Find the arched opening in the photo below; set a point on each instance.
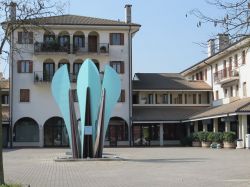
(96, 63)
(49, 37)
(117, 131)
(26, 130)
(64, 41)
(63, 62)
(55, 133)
(78, 41)
(93, 38)
(76, 67)
(48, 70)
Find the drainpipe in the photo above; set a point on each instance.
(130, 34)
(212, 79)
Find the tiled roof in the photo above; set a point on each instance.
(78, 20)
(167, 81)
(241, 105)
(143, 113)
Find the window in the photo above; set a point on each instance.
(179, 99)
(25, 38)
(150, 99)
(185, 96)
(122, 96)
(76, 68)
(193, 77)
(5, 99)
(231, 91)
(194, 99)
(118, 66)
(225, 93)
(208, 97)
(24, 95)
(48, 38)
(48, 71)
(201, 75)
(24, 66)
(197, 76)
(217, 95)
(171, 99)
(243, 57)
(235, 60)
(244, 89)
(79, 41)
(116, 39)
(165, 98)
(199, 98)
(237, 90)
(216, 67)
(63, 41)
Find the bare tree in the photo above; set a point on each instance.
(22, 14)
(235, 19)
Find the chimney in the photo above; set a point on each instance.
(13, 11)
(128, 13)
(223, 41)
(211, 47)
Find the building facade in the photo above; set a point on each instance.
(68, 39)
(226, 71)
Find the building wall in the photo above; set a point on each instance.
(42, 106)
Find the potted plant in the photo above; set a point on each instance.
(203, 136)
(103, 49)
(216, 138)
(195, 140)
(229, 139)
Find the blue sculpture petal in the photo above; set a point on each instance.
(112, 85)
(60, 87)
(88, 77)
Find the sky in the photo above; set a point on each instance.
(167, 40)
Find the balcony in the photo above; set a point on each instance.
(226, 75)
(51, 47)
(42, 77)
(99, 48)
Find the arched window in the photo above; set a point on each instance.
(26, 130)
(117, 131)
(55, 133)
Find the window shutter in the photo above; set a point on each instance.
(30, 37)
(19, 38)
(19, 66)
(122, 67)
(24, 95)
(30, 66)
(122, 38)
(110, 38)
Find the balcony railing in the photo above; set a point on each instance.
(99, 48)
(43, 77)
(226, 74)
(54, 47)
(49, 47)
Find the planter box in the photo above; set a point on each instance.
(196, 144)
(229, 145)
(205, 144)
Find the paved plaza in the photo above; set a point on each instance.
(143, 167)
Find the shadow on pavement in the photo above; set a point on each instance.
(162, 160)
